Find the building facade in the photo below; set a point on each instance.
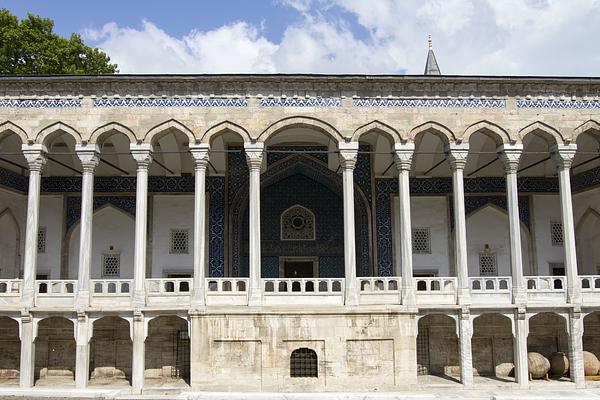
(296, 232)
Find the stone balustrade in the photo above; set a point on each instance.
(314, 291)
(10, 291)
(107, 292)
(440, 290)
(227, 291)
(482, 287)
(168, 291)
(379, 290)
(55, 292)
(546, 289)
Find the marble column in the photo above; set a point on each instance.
(465, 334)
(510, 155)
(142, 153)
(563, 156)
(27, 363)
(348, 156)
(82, 351)
(254, 156)
(521, 331)
(89, 155)
(138, 362)
(35, 154)
(403, 153)
(200, 156)
(576, 347)
(457, 156)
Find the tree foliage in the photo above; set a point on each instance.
(30, 46)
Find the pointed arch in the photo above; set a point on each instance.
(48, 133)
(495, 132)
(549, 133)
(103, 132)
(590, 126)
(378, 127)
(13, 240)
(7, 128)
(443, 132)
(590, 212)
(156, 132)
(498, 209)
(8, 213)
(223, 127)
(300, 122)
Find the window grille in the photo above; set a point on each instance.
(303, 363)
(421, 240)
(111, 265)
(556, 233)
(487, 264)
(297, 223)
(179, 241)
(41, 244)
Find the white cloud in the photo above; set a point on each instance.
(523, 37)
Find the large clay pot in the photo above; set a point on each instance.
(591, 365)
(559, 364)
(538, 365)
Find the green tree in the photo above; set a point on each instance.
(30, 47)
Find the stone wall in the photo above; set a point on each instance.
(11, 348)
(111, 349)
(492, 346)
(55, 348)
(252, 352)
(591, 333)
(441, 356)
(160, 345)
(547, 334)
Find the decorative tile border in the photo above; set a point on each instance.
(301, 102)
(41, 103)
(427, 102)
(559, 104)
(172, 102)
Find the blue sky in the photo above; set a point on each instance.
(503, 37)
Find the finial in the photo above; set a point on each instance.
(430, 43)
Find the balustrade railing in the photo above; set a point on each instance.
(440, 285)
(491, 284)
(10, 287)
(308, 286)
(56, 287)
(379, 284)
(168, 286)
(217, 286)
(590, 283)
(111, 287)
(545, 283)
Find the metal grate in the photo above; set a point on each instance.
(423, 352)
(179, 241)
(111, 265)
(421, 240)
(41, 240)
(487, 264)
(303, 363)
(556, 233)
(182, 356)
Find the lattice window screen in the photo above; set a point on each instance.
(303, 363)
(111, 265)
(41, 244)
(487, 264)
(556, 233)
(421, 240)
(179, 241)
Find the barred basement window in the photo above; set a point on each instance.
(421, 240)
(303, 363)
(487, 264)
(41, 244)
(556, 233)
(111, 265)
(179, 241)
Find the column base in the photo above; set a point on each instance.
(198, 302)
(574, 295)
(255, 298)
(409, 296)
(519, 296)
(464, 297)
(82, 301)
(26, 377)
(351, 296)
(139, 298)
(27, 298)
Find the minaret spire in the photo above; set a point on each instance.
(431, 66)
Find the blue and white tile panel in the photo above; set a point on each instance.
(40, 103)
(559, 104)
(301, 102)
(427, 102)
(171, 102)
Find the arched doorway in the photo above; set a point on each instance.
(10, 246)
(437, 347)
(492, 346)
(55, 352)
(11, 349)
(587, 234)
(167, 351)
(111, 351)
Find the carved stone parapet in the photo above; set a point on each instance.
(457, 155)
(510, 154)
(348, 154)
(563, 155)
(142, 154)
(36, 156)
(89, 155)
(403, 155)
(200, 154)
(254, 155)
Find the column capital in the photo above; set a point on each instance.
(89, 155)
(403, 155)
(348, 154)
(457, 155)
(254, 154)
(510, 154)
(563, 155)
(142, 154)
(35, 154)
(200, 154)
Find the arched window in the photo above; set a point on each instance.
(297, 223)
(303, 363)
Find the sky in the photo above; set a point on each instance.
(470, 37)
